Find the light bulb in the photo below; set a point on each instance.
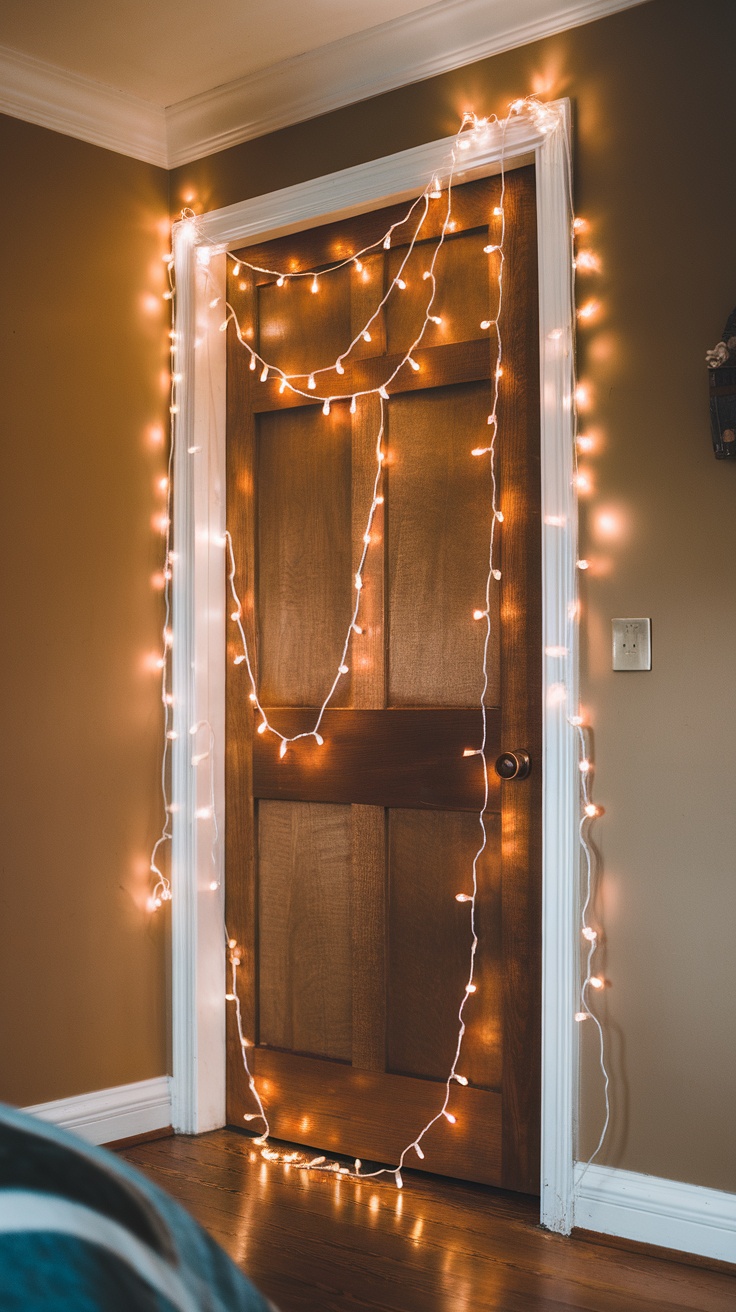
(397, 1175)
(463, 897)
(238, 660)
(343, 669)
(326, 408)
(315, 284)
(589, 310)
(496, 574)
(356, 628)
(358, 582)
(418, 1152)
(480, 451)
(485, 323)
(280, 281)
(590, 934)
(583, 564)
(311, 383)
(579, 225)
(252, 364)
(478, 614)
(252, 696)
(236, 269)
(587, 260)
(413, 364)
(379, 501)
(215, 301)
(499, 372)
(427, 274)
(470, 751)
(400, 283)
(263, 726)
(500, 516)
(596, 982)
(366, 537)
(319, 739)
(382, 392)
(172, 735)
(339, 368)
(435, 190)
(471, 988)
(461, 1079)
(582, 482)
(282, 748)
(584, 766)
(366, 336)
(358, 264)
(585, 443)
(264, 373)
(353, 406)
(581, 1015)
(435, 318)
(488, 250)
(449, 1117)
(576, 720)
(167, 296)
(235, 615)
(282, 385)
(497, 211)
(591, 809)
(387, 242)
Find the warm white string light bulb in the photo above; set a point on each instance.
(547, 121)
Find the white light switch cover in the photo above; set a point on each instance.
(632, 644)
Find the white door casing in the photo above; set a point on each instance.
(199, 608)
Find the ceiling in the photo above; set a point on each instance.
(165, 51)
(169, 81)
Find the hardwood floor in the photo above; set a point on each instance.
(314, 1242)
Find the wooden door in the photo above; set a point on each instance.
(343, 860)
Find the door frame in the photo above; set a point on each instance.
(199, 608)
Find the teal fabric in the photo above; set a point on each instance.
(60, 1272)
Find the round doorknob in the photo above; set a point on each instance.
(513, 765)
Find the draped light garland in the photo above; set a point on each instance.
(308, 384)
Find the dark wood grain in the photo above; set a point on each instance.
(458, 362)
(304, 896)
(240, 871)
(438, 526)
(311, 1241)
(521, 679)
(369, 937)
(404, 757)
(430, 860)
(305, 595)
(373, 1115)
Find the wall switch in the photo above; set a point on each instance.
(632, 644)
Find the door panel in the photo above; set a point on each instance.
(304, 897)
(438, 528)
(343, 860)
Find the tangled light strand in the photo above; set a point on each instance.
(493, 574)
(161, 891)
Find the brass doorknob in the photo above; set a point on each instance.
(513, 765)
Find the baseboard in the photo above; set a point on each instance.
(123, 1112)
(650, 1210)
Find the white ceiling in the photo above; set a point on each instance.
(169, 81)
(165, 51)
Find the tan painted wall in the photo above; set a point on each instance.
(82, 967)
(653, 99)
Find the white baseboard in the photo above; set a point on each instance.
(111, 1114)
(655, 1211)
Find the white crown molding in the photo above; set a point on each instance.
(41, 93)
(650, 1210)
(111, 1114)
(445, 35)
(434, 40)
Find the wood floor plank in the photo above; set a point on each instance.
(314, 1242)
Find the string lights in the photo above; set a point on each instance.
(308, 385)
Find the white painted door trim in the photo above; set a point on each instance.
(199, 611)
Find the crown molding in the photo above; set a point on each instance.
(443, 36)
(51, 97)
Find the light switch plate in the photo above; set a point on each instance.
(632, 644)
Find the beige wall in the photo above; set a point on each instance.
(653, 103)
(83, 967)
